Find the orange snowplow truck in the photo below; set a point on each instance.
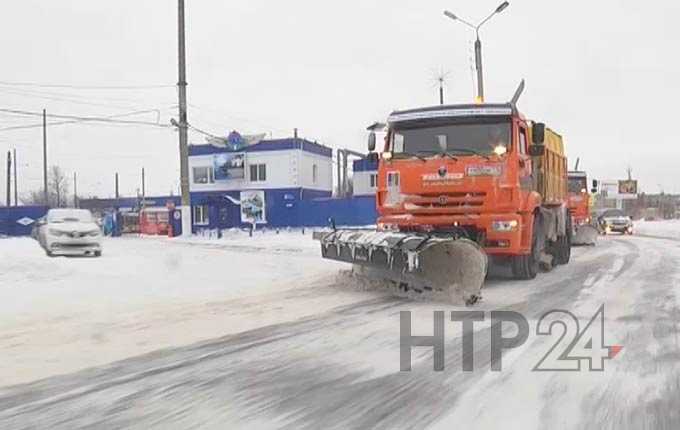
(454, 175)
(580, 205)
(484, 170)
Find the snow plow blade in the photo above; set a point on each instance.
(455, 266)
(585, 234)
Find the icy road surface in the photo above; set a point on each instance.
(261, 333)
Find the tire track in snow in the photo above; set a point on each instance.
(310, 373)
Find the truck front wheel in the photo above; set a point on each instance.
(526, 266)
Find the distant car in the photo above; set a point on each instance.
(69, 232)
(614, 220)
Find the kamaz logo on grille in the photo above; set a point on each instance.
(443, 200)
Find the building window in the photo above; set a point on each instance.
(201, 215)
(204, 175)
(373, 178)
(258, 172)
(315, 173)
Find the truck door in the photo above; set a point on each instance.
(525, 170)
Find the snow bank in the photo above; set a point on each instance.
(665, 228)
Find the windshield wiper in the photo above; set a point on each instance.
(471, 151)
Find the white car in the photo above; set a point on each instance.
(69, 232)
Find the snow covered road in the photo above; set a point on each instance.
(261, 333)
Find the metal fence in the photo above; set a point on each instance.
(19, 220)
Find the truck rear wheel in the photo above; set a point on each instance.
(563, 251)
(526, 266)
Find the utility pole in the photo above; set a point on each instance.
(117, 195)
(46, 195)
(339, 169)
(143, 185)
(16, 192)
(478, 45)
(75, 190)
(480, 74)
(9, 178)
(183, 136)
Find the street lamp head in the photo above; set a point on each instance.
(450, 15)
(502, 6)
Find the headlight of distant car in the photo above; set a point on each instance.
(54, 232)
(93, 233)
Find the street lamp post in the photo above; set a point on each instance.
(478, 44)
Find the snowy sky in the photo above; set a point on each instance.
(603, 74)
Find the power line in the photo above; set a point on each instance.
(91, 100)
(76, 119)
(87, 87)
(60, 99)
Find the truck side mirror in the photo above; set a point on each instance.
(594, 188)
(538, 133)
(537, 150)
(371, 142)
(372, 157)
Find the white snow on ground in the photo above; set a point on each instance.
(521, 398)
(666, 228)
(59, 315)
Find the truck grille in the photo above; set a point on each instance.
(447, 203)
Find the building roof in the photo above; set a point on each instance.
(266, 145)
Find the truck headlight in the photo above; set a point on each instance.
(484, 170)
(93, 233)
(57, 233)
(504, 226)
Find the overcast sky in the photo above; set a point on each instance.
(603, 74)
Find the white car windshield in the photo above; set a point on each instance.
(69, 215)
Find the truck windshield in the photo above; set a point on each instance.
(460, 139)
(577, 185)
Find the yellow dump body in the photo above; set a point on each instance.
(551, 178)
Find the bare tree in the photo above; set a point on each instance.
(58, 185)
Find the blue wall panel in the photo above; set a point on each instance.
(19, 220)
(355, 211)
(292, 207)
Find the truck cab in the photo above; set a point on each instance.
(482, 171)
(579, 199)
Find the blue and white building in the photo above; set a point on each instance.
(265, 182)
(365, 177)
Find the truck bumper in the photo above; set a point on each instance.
(496, 241)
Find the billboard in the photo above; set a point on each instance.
(619, 189)
(229, 166)
(253, 207)
(628, 186)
